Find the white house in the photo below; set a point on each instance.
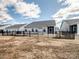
(2, 27)
(71, 25)
(43, 27)
(16, 27)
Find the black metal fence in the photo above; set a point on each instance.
(18, 33)
(59, 35)
(65, 35)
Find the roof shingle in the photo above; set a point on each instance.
(16, 26)
(40, 24)
(71, 21)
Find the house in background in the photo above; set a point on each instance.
(43, 27)
(16, 27)
(71, 25)
(2, 27)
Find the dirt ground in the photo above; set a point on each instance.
(12, 47)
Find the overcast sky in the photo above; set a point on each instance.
(26, 11)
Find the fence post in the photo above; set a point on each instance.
(12, 33)
(29, 33)
(7, 33)
(23, 33)
(38, 34)
(2, 32)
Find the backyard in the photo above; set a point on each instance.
(22, 47)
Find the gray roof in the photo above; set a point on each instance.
(15, 26)
(2, 25)
(71, 21)
(40, 24)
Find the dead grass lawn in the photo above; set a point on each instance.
(38, 48)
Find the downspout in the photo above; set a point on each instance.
(61, 26)
(60, 29)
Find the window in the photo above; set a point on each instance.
(36, 30)
(51, 30)
(44, 30)
(73, 28)
(25, 30)
(32, 30)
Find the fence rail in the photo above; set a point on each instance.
(59, 35)
(65, 35)
(20, 33)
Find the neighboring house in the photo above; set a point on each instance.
(43, 27)
(71, 25)
(2, 27)
(16, 27)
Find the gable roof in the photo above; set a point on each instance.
(15, 26)
(40, 24)
(71, 21)
(4, 26)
